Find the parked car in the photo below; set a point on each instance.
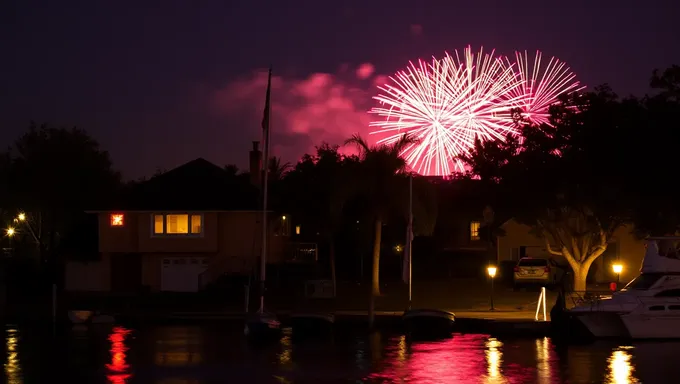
(533, 271)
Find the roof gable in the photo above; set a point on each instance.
(198, 185)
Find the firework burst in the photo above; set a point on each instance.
(541, 85)
(449, 102)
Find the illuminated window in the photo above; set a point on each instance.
(117, 219)
(158, 224)
(195, 223)
(177, 224)
(474, 230)
(297, 229)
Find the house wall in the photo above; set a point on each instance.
(230, 240)
(624, 247)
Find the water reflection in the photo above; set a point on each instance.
(201, 355)
(12, 366)
(286, 354)
(179, 347)
(494, 357)
(621, 369)
(118, 367)
(544, 371)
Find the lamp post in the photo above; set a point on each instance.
(10, 232)
(491, 270)
(618, 268)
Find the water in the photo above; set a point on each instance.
(219, 354)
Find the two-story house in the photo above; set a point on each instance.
(185, 228)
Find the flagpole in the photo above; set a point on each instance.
(410, 239)
(265, 190)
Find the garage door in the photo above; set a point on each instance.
(181, 274)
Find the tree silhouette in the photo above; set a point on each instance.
(381, 181)
(55, 175)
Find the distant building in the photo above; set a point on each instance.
(182, 230)
(624, 248)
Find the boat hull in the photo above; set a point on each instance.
(652, 327)
(428, 323)
(262, 327)
(603, 325)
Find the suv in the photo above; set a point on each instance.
(535, 271)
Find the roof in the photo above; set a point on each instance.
(198, 185)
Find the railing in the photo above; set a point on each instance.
(302, 253)
(541, 305)
(587, 297)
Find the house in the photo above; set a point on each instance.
(183, 229)
(623, 248)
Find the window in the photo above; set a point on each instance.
(196, 223)
(158, 226)
(177, 224)
(297, 229)
(474, 230)
(526, 262)
(117, 219)
(643, 282)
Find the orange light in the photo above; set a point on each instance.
(117, 219)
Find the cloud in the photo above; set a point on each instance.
(365, 71)
(305, 111)
(416, 29)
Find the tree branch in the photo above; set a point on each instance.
(549, 248)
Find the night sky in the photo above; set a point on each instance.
(161, 82)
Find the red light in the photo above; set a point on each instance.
(117, 219)
(547, 269)
(516, 269)
(118, 367)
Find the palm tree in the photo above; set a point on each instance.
(318, 190)
(277, 169)
(380, 181)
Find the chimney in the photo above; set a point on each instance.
(255, 164)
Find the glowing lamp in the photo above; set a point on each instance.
(283, 217)
(491, 271)
(10, 231)
(117, 219)
(618, 268)
(297, 229)
(21, 217)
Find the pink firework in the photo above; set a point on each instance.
(446, 104)
(451, 101)
(541, 85)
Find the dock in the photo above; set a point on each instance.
(498, 322)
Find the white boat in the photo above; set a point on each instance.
(648, 307)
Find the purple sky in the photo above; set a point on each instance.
(161, 82)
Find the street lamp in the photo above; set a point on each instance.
(491, 270)
(618, 268)
(10, 231)
(21, 217)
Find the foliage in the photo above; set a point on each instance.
(571, 179)
(56, 174)
(318, 188)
